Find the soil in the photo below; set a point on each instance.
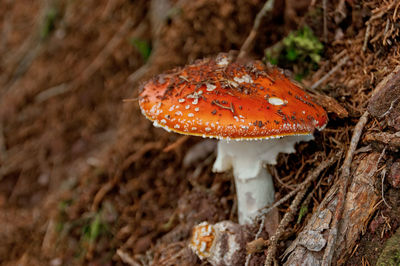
(85, 179)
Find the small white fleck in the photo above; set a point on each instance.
(223, 62)
(232, 83)
(236, 118)
(207, 129)
(178, 113)
(177, 126)
(171, 108)
(276, 101)
(203, 246)
(244, 79)
(194, 128)
(187, 106)
(209, 229)
(163, 121)
(210, 87)
(304, 112)
(181, 100)
(190, 115)
(156, 124)
(195, 101)
(197, 109)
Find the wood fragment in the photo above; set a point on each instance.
(345, 174)
(330, 105)
(392, 141)
(384, 95)
(360, 204)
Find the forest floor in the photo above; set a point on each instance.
(85, 179)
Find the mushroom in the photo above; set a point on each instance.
(254, 110)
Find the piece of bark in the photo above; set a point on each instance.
(330, 105)
(394, 174)
(361, 198)
(385, 101)
(392, 141)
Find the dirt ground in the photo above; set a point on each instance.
(85, 179)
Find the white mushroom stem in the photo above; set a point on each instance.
(254, 185)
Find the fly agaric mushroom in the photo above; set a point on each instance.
(255, 111)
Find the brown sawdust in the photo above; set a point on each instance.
(83, 154)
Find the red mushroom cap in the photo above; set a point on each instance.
(219, 99)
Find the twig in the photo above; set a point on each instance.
(287, 218)
(366, 37)
(52, 92)
(126, 258)
(303, 186)
(249, 42)
(325, 164)
(383, 179)
(327, 75)
(345, 174)
(176, 144)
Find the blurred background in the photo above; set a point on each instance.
(85, 179)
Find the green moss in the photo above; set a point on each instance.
(303, 211)
(49, 22)
(300, 48)
(390, 255)
(142, 46)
